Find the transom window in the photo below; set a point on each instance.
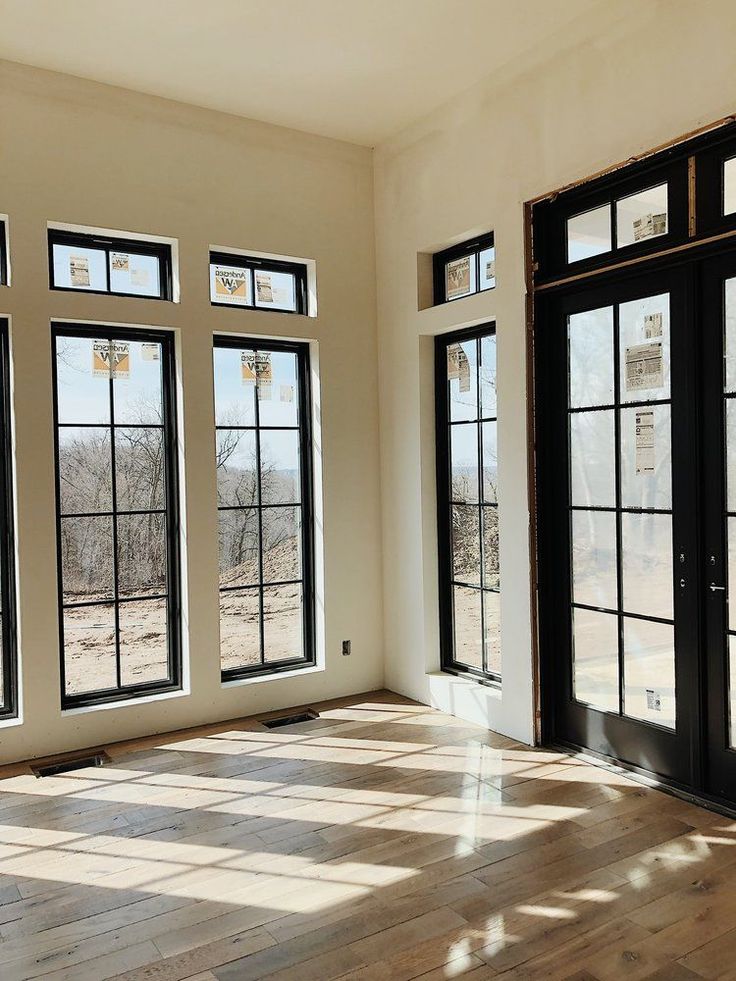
(118, 522)
(264, 493)
(98, 264)
(467, 456)
(263, 284)
(8, 650)
(465, 269)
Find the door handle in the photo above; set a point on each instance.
(716, 589)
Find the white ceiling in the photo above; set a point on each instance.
(358, 70)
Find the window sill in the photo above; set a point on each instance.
(276, 676)
(126, 703)
(9, 723)
(467, 680)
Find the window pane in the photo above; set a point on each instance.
(649, 671)
(282, 405)
(646, 460)
(729, 341)
(141, 554)
(281, 530)
(236, 467)
(732, 690)
(230, 284)
(460, 277)
(89, 649)
(595, 664)
(79, 268)
(641, 216)
(464, 462)
(276, 290)
(82, 395)
(462, 361)
(234, 395)
(85, 470)
(647, 564)
(133, 273)
(238, 536)
(280, 466)
(490, 463)
(240, 637)
(731, 454)
(592, 459)
(492, 630)
(731, 536)
(488, 268)
(86, 559)
(467, 624)
(589, 234)
(590, 339)
(282, 623)
(644, 332)
(466, 544)
(594, 558)
(488, 376)
(138, 391)
(729, 186)
(491, 572)
(139, 469)
(144, 647)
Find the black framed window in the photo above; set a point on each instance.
(3, 253)
(465, 269)
(467, 499)
(100, 264)
(117, 512)
(264, 490)
(8, 654)
(257, 284)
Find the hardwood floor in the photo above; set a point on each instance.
(383, 840)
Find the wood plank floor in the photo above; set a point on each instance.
(383, 840)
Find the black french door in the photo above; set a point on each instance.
(637, 533)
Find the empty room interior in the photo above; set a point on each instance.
(367, 490)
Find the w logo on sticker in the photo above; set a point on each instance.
(230, 284)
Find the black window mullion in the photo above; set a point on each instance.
(9, 700)
(481, 511)
(114, 491)
(261, 619)
(617, 485)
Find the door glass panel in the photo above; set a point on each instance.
(589, 234)
(649, 671)
(595, 664)
(592, 459)
(590, 341)
(647, 564)
(594, 558)
(729, 340)
(732, 691)
(644, 331)
(729, 186)
(646, 457)
(641, 216)
(731, 526)
(731, 454)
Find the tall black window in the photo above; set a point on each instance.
(264, 490)
(8, 659)
(98, 264)
(117, 513)
(467, 462)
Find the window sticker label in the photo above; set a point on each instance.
(264, 390)
(264, 287)
(139, 276)
(653, 325)
(491, 269)
(457, 275)
(654, 700)
(150, 352)
(255, 366)
(231, 284)
(644, 441)
(79, 270)
(111, 360)
(644, 367)
(120, 262)
(464, 375)
(454, 355)
(286, 393)
(647, 226)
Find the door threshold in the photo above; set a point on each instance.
(711, 802)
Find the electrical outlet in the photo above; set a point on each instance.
(346, 648)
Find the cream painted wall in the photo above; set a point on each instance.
(599, 92)
(80, 152)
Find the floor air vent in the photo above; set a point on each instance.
(55, 767)
(290, 720)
